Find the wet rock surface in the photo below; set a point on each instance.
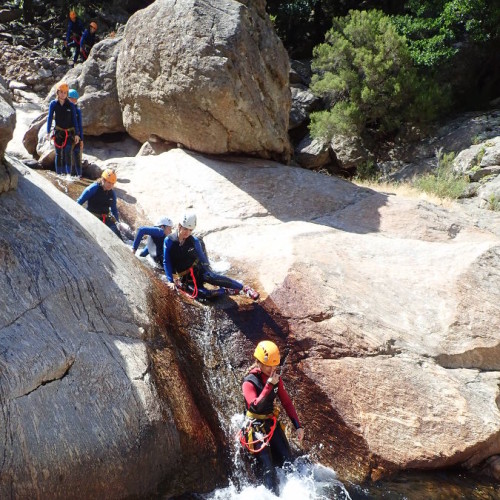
(87, 410)
(372, 297)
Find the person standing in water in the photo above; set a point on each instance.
(66, 130)
(263, 435)
(77, 148)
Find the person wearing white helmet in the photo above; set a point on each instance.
(184, 260)
(155, 237)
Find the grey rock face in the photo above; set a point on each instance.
(81, 417)
(7, 117)
(212, 77)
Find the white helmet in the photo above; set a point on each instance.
(189, 220)
(164, 221)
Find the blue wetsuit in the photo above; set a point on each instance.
(77, 148)
(179, 258)
(100, 202)
(67, 127)
(73, 35)
(157, 236)
(87, 42)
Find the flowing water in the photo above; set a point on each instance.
(306, 479)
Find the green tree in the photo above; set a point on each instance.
(364, 70)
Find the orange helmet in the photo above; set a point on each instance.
(109, 175)
(63, 86)
(93, 24)
(267, 353)
(72, 15)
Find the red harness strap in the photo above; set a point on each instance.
(195, 286)
(65, 139)
(264, 440)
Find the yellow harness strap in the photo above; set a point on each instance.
(256, 416)
(183, 273)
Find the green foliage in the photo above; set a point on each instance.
(443, 182)
(435, 29)
(365, 70)
(367, 171)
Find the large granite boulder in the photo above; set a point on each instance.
(386, 308)
(93, 403)
(210, 76)
(95, 80)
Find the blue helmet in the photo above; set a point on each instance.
(73, 94)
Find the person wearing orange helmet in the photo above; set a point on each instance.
(101, 200)
(74, 34)
(66, 130)
(262, 434)
(88, 40)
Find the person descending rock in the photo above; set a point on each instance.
(77, 148)
(156, 236)
(183, 254)
(66, 131)
(88, 40)
(101, 199)
(74, 34)
(262, 434)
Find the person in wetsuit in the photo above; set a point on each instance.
(66, 131)
(263, 435)
(156, 236)
(183, 255)
(88, 40)
(101, 200)
(74, 34)
(77, 148)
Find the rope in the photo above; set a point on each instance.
(249, 444)
(65, 139)
(195, 285)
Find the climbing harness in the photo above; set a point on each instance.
(58, 132)
(254, 432)
(195, 285)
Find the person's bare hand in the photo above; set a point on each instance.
(274, 378)
(300, 434)
(171, 285)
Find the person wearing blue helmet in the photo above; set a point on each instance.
(73, 96)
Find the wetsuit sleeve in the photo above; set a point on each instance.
(70, 29)
(167, 263)
(87, 193)
(84, 38)
(145, 252)
(256, 403)
(51, 115)
(114, 208)
(142, 231)
(79, 119)
(199, 251)
(287, 404)
(74, 118)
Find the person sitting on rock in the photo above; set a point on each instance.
(156, 236)
(66, 131)
(101, 200)
(88, 40)
(74, 34)
(77, 148)
(184, 256)
(262, 434)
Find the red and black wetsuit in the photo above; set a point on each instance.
(259, 399)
